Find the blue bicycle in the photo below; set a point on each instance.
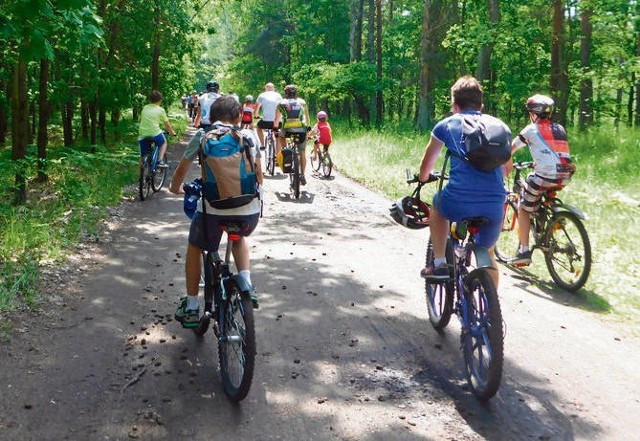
(470, 294)
(152, 174)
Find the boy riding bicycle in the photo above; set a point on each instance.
(553, 167)
(225, 112)
(149, 131)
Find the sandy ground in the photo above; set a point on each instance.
(345, 348)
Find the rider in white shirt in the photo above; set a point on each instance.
(267, 101)
(204, 105)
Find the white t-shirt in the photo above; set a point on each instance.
(205, 101)
(268, 103)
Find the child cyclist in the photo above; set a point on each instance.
(321, 133)
(553, 167)
(225, 112)
(150, 118)
(248, 109)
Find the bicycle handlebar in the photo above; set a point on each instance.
(522, 165)
(434, 176)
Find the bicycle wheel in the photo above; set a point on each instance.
(568, 255)
(482, 338)
(508, 243)
(237, 343)
(271, 156)
(144, 187)
(316, 159)
(327, 164)
(439, 295)
(295, 176)
(159, 176)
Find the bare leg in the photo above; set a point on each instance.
(192, 269)
(439, 228)
(240, 253)
(523, 227)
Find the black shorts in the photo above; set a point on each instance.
(265, 125)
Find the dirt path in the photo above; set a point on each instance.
(345, 349)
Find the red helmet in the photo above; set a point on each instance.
(322, 115)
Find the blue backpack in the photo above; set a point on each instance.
(228, 173)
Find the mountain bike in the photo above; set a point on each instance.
(320, 158)
(470, 294)
(270, 148)
(557, 231)
(152, 175)
(294, 175)
(229, 305)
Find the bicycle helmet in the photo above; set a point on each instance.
(249, 98)
(322, 115)
(410, 212)
(213, 86)
(541, 105)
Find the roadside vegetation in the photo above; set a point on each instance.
(605, 187)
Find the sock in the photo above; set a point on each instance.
(523, 249)
(437, 261)
(192, 302)
(246, 275)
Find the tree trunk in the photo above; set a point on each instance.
(4, 110)
(84, 119)
(585, 117)
(429, 65)
(559, 82)
(19, 127)
(102, 125)
(67, 122)
(618, 116)
(483, 72)
(43, 133)
(631, 100)
(94, 124)
(371, 51)
(379, 101)
(155, 63)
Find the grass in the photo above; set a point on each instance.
(65, 209)
(605, 187)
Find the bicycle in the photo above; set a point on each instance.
(320, 158)
(152, 175)
(228, 303)
(270, 148)
(557, 231)
(294, 175)
(471, 295)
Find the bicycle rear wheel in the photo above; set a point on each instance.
(144, 185)
(568, 256)
(237, 343)
(439, 296)
(482, 338)
(271, 156)
(508, 243)
(159, 177)
(295, 176)
(327, 164)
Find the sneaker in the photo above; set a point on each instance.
(262, 147)
(162, 164)
(303, 180)
(190, 318)
(523, 258)
(435, 275)
(254, 298)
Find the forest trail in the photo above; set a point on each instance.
(345, 348)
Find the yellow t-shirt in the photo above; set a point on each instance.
(150, 118)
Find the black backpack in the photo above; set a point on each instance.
(487, 141)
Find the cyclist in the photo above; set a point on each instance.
(248, 108)
(322, 132)
(469, 191)
(553, 167)
(226, 112)
(150, 118)
(204, 105)
(268, 102)
(295, 120)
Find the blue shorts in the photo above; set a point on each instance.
(214, 233)
(455, 211)
(146, 144)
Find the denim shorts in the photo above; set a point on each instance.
(146, 144)
(214, 231)
(456, 211)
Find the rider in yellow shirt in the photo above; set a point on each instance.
(151, 117)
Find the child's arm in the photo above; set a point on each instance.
(167, 124)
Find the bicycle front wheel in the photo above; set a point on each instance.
(482, 338)
(508, 243)
(144, 187)
(568, 254)
(159, 177)
(439, 296)
(315, 159)
(237, 343)
(327, 165)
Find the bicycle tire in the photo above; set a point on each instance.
(316, 159)
(439, 296)
(327, 164)
(144, 187)
(209, 273)
(561, 240)
(158, 178)
(482, 339)
(237, 343)
(295, 177)
(507, 245)
(271, 156)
